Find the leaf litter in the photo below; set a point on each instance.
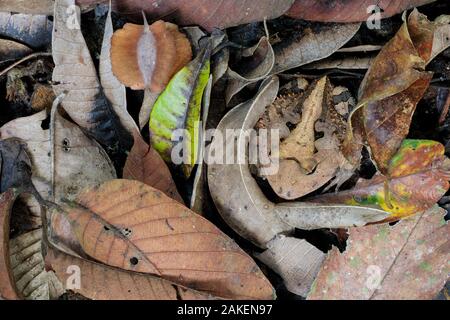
(88, 171)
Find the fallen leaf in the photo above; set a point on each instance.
(406, 261)
(33, 30)
(349, 11)
(297, 261)
(146, 57)
(393, 85)
(144, 164)
(257, 63)
(312, 45)
(178, 107)
(12, 50)
(28, 6)
(441, 39)
(199, 193)
(158, 235)
(100, 282)
(114, 91)
(75, 75)
(22, 269)
(417, 178)
(24, 273)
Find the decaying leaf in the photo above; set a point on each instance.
(349, 11)
(144, 164)
(178, 108)
(130, 225)
(417, 177)
(32, 30)
(100, 282)
(148, 56)
(406, 261)
(76, 77)
(22, 269)
(393, 85)
(62, 162)
(312, 45)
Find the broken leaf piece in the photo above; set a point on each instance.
(178, 108)
(148, 56)
(418, 176)
(144, 164)
(130, 225)
(406, 261)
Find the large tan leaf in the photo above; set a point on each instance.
(129, 225)
(409, 260)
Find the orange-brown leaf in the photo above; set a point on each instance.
(144, 164)
(129, 225)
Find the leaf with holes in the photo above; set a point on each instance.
(417, 178)
(129, 225)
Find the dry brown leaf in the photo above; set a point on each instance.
(75, 76)
(144, 164)
(348, 11)
(100, 282)
(406, 261)
(312, 45)
(129, 225)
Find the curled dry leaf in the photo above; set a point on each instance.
(348, 11)
(257, 62)
(148, 56)
(406, 261)
(393, 85)
(33, 30)
(144, 164)
(130, 225)
(245, 208)
(75, 75)
(417, 178)
(178, 107)
(22, 270)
